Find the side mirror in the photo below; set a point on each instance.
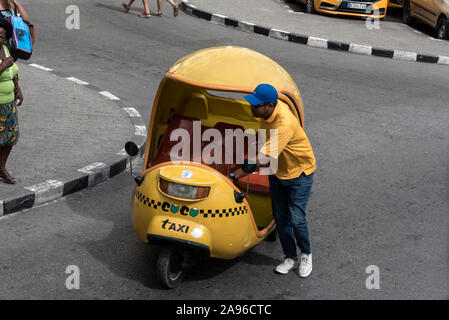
(131, 149)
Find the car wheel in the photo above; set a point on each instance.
(442, 29)
(310, 7)
(406, 14)
(170, 271)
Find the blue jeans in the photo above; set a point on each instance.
(289, 200)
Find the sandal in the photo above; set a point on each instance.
(126, 6)
(157, 14)
(176, 10)
(6, 177)
(144, 15)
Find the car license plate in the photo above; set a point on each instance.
(361, 6)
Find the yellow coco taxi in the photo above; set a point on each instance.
(362, 8)
(192, 207)
(434, 13)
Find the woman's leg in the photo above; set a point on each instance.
(127, 6)
(146, 6)
(159, 6)
(4, 154)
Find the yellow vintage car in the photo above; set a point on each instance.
(183, 202)
(434, 13)
(362, 8)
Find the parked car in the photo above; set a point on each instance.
(396, 4)
(362, 8)
(435, 13)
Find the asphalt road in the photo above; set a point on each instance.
(379, 129)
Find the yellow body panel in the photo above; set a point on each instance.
(381, 4)
(228, 228)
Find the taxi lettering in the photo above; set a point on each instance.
(167, 224)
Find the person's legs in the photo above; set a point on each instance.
(159, 6)
(127, 6)
(146, 6)
(4, 154)
(279, 203)
(298, 197)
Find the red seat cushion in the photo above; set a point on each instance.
(257, 183)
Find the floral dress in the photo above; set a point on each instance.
(9, 124)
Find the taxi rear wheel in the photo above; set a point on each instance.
(310, 7)
(442, 29)
(170, 271)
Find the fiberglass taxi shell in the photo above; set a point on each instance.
(214, 218)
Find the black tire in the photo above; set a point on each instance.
(310, 6)
(272, 236)
(406, 13)
(169, 266)
(443, 29)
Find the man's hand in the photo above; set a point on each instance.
(238, 174)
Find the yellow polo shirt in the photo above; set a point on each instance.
(294, 152)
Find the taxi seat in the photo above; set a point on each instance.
(258, 183)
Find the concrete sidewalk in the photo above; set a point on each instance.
(71, 137)
(277, 14)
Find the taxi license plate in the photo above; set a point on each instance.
(361, 6)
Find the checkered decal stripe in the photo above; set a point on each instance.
(147, 201)
(207, 213)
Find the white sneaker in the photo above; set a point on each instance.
(305, 267)
(286, 266)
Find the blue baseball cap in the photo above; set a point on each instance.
(264, 93)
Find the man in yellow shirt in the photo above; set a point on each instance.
(291, 184)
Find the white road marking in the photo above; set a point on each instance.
(140, 131)
(38, 66)
(405, 55)
(109, 95)
(90, 168)
(77, 81)
(46, 191)
(359, 49)
(443, 60)
(122, 152)
(218, 18)
(279, 34)
(132, 112)
(317, 42)
(245, 26)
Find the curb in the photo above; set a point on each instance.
(309, 40)
(82, 178)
